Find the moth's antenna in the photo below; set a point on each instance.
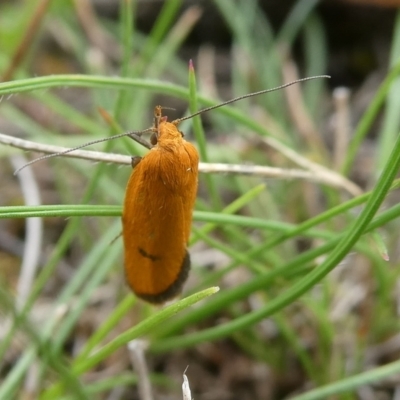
(177, 121)
(134, 134)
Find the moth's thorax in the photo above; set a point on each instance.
(167, 133)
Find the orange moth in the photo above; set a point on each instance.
(157, 214)
(159, 200)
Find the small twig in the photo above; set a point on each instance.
(322, 172)
(206, 71)
(177, 34)
(187, 395)
(316, 173)
(297, 109)
(27, 40)
(384, 349)
(32, 379)
(350, 295)
(34, 232)
(342, 126)
(98, 36)
(136, 349)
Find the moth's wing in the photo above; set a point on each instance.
(156, 221)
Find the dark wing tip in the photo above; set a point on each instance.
(174, 289)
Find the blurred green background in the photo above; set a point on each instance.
(305, 254)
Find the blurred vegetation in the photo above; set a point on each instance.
(307, 267)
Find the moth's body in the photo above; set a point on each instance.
(157, 216)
